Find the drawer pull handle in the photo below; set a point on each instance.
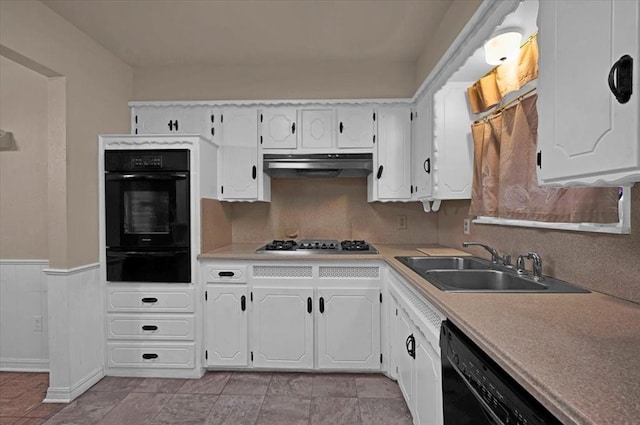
(149, 328)
(243, 303)
(150, 300)
(148, 356)
(226, 274)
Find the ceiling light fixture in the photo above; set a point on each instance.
(502, 47)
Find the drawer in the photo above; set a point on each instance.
(152, 300)
(151, 326)
(218, 274)
(151, 355)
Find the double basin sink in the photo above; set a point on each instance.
(471, 274)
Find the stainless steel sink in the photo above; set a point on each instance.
(423, 264)
(470, 274)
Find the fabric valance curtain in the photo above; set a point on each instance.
(505, 183)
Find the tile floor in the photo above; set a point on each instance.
(218, 398)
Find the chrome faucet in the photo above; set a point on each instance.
(537, 264)
(495, 257)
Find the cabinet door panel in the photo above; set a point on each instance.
(405, 362)
(356, 127)
(428, 384)
(278, 128)
(394, 153)
(239, 154)
(453, 146)
(163, 120)
(317, 128)
(348, 329)
(421, 141)
(282, 328)
(227, 325)
(585, 135)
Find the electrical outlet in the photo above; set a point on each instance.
(402, 222)
(467, 226)
(37, 323)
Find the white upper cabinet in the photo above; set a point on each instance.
(317, 130)
(586, 136)
(278, 128)
(452, 162)
(241, 172)
(421, 142)
(391, 177)
(356, 127)
(172, 120)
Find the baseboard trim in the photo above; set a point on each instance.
(68, 394)
(24, 365)
(69, 272)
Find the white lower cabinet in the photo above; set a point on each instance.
(227, 341)
(427, 378)
(348, 328)
(415, 358)
(282, 323)
(151, 330)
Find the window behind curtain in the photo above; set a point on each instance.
(505, 182)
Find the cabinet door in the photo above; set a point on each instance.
(226, 325)
(404, 330)
(239, 154)
(278, 128)
(356, 127)
(167, 120)
(428, 384)
(421, 141)
(393, 172)
(317, 128)
(586, 136)
(348, 328)
(282, 323)
(453, 146)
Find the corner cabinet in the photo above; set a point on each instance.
(391, 177)
(588, 127)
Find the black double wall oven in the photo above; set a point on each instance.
(147, 215)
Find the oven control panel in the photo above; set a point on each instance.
(146, 161)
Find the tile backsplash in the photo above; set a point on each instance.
(331, 208)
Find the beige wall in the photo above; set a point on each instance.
(329, 208)
(303, 81)
(91, 97)
(601, 262)
(454, 20)
(23, 171)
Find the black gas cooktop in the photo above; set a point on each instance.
(318, 246)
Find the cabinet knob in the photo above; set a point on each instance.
(321, 304)
(341, 127)
(309, 305)
(243, 303)
(427, 165)
(293, 128)
(149, 328)
(380, 169)
(148, 356)
(254, 172)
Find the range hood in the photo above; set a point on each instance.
(318, 165)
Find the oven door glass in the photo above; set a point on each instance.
(147, 210)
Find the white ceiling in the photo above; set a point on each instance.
(148, 33)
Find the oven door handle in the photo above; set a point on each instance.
(164, 176)
(485, 407)
(123, 254)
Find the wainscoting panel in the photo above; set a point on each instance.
(24, 327)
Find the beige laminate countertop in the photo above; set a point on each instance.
(578, 354)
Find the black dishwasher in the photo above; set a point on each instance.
(476, 391)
